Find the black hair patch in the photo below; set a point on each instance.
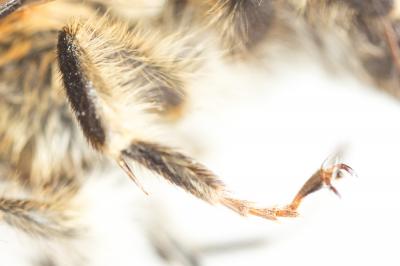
(79, 88)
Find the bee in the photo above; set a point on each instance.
(88, 85)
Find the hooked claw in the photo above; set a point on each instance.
(323, 176)
(334, 172)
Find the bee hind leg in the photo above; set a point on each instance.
(114, 114)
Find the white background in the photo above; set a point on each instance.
(266, 144)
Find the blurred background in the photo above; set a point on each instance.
(264, 128)
(264, 138)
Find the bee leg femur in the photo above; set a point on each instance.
(110, 71)
(80, 84)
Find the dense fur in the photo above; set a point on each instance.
(126, 76)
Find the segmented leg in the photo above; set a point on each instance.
(104, 104)
(196, 179)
